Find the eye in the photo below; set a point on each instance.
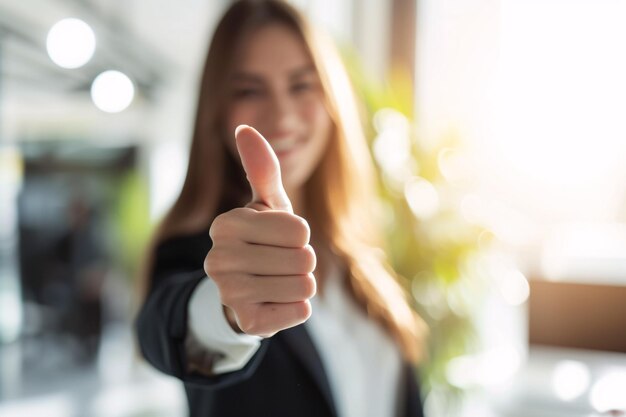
(247, 93)
(302, 86)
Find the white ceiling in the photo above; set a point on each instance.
(141, 35)
(159, 43)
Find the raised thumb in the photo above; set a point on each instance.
(262, 169)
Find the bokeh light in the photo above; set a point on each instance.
(71, 43)
(514, 287)
(392, 146)
(608, 392)
(489, 368)
(112, 91)
(570, 379)
(422, 197)
(454, 166)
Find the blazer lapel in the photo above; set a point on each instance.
(300, 343)
(413, 406)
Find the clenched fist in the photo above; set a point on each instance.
(261, 260)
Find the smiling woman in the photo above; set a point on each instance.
(275, 212)
(276, 89)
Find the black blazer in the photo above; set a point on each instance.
(284, 378)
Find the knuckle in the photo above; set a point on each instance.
(307, 259)
(250, 322)
(210, 266)
(227, 224)
(301, 229)
(296, 227)
(252, 328)
(240, 215)
(239, 211)
(219, 227)
(215, 262)
(247, 325)
(308, 286)
(303, 310)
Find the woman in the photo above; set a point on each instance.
(266, 218)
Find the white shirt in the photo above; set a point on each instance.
(362, 363)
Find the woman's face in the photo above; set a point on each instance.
(275, 88)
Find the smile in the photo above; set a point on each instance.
(285, 147)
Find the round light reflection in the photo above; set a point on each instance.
(70, 43)
(570, 379)
(514, 288)
(112, 91)
(608, 393)
(422, 197)
(490, 368)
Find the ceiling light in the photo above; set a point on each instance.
(112, 91)
(71, 43)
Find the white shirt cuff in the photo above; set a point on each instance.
(208, 326)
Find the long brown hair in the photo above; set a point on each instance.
(339, 192)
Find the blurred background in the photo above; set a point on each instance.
(498, 130)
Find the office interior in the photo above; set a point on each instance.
(496, 127)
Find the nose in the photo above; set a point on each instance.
(283, 115)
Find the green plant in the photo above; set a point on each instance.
(429, 242)
(132, 221)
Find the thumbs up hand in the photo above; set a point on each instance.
(262, 169)
(261, 260)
